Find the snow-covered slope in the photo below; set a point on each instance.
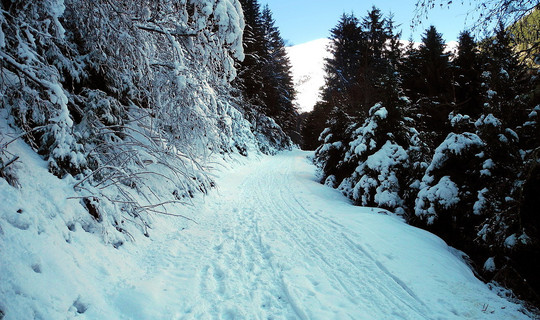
(307, 62)
(272, 243)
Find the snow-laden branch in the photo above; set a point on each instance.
(163, 31)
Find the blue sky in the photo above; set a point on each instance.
(303, 20)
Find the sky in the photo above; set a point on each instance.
(301, 21)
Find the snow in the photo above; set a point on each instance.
(453, 144)
(444, 193)
(378, 111)
(482, 201)
(456, 119)
(490, 119)
(510, 241)
(307, 61)
(486, 166)
(271, 242)
(489, 265)
(386, 187)
(2, 35)
(451, 47)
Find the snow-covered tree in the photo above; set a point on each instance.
(451, 186)
(379, 154)
(122, 93)
(368, 162)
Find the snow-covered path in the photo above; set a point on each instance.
(270, 243)
(275, 244)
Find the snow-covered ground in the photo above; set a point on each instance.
(307, 61)
(270, 243)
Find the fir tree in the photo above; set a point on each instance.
(434, 65)
(409, 70)
(467, 73)
(313, 124)
(342, 69)
(342, 74)
(264, 77)
(433, 88)
(250, 71)
(375, 66)
(277, 78)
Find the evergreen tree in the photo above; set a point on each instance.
(277, 78)
(379, 159)
(342, 74)
(476, 188)
(367, 158)
(433, 88)
(504, 80)
(453, 144)
(342, 69)
(264, 77)
(250, 71)
(375, 66)
(434, 66)
(376, 33)
(409, 70)
(467, 73)
(312, 126)
(507, 99)
(334, 141)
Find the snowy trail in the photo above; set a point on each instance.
(275, 244)
(270, 243)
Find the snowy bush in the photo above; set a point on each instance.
(36, 59)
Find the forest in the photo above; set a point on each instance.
(451, 142)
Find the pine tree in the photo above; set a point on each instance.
(409, 70)
(374, 28)
(507, 101)
(264, 77)
(375, 66)
(313, 124)
(367, 159)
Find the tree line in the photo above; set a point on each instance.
(449, 141)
